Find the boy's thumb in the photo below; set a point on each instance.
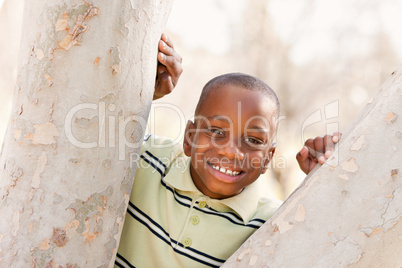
(302, 158)
(303, 154)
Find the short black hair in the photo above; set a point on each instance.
(241, 80)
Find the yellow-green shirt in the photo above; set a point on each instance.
(170, 223)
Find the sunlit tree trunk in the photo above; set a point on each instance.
(85, 84)
(348, 213)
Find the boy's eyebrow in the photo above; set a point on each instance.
(227, 119)
(259, 129)
(219, 118)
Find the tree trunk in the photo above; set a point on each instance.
(85, 85)
(348, 212)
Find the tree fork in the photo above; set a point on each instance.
(85, 84)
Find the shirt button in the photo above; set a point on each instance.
(186, 242)
(202, 204)
(195, 220)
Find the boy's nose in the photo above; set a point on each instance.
(232, 151)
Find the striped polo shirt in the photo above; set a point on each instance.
(170, 223)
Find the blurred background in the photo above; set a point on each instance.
(325, 59)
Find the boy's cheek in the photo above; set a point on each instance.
(199, 143)
(199, 164)
(256, 162)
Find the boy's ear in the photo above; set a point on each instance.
(269, 158)
(188, 137)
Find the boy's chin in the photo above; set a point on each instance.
(221, 193)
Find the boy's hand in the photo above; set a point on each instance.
(316, 150)
(169, 68)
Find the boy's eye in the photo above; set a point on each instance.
(216, 131)
(253, 141)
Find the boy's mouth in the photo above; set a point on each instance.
(226, 171)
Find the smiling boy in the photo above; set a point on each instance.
(193, 205)
(231, 142)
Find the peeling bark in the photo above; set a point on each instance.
(78, 114)
(348, 212)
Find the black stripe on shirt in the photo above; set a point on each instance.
(164, 183)
(123, 260)
(176, 193)
(177, 250)
(231, 213)
(149, 218)
(167, 234)
(153, 165)
(217, 213)
(195, 259)
(156, 158)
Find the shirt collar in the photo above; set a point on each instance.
(244, 204)
(179, 176)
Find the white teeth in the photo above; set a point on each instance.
(226, 171)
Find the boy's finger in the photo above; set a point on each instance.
(167, 40)
(309, 144)
(305, 153)
(336, 136)
(169, 51)
(163, 47)
(319, 148)
(161, 58)
(171, 64)
(328, 145)
(303, 159)
(302, 154)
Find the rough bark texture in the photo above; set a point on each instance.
(348, 212)
(85, 84)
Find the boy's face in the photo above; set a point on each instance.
(231, 140)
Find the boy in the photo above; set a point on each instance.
(194, 205)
